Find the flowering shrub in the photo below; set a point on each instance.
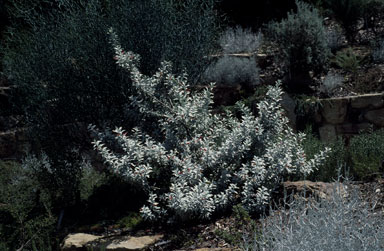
(203, 162)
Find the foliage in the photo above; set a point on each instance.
(348, 13)
(340, 223)
(335, 39)
(63, 65)
(239, 40)
(330, 82)
(347, 60)
(26, 218)
(301, 41)
(366, 153)
(232, 70)
(378, 52)
(373, 15)
(328, 171)
(203, 162)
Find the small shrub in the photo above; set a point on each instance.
(203, 163)
(378, 52)
(239, 40)
(348, 13)
(366, 152)
(231, 70)
(328, 171)
(335, 39)
(302, 42)
(347, 60)
(330, 82)
(336, 224)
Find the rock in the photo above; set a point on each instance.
(133, 243)
(322, 190)
(327, 133)
(376, 117)
(226, 95)
(368, 100)
(289, 106)
(78, 241)
(334, 111)
(82, 241)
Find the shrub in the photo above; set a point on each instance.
(328, 171)
(26, 219)
(378, 52)
(348, 13)
(330, 82)
(335, 39)
(301, 40)
(336, 224)
(231, 70)
(202, 160)
(63, 66)
(366, 152)
(347, 60)
(239, 40)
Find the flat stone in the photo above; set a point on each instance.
(133, 243)
(367, 101)
(214, 249)
(334, 111)
(78, 241)
(328, 133)
(376, 117)
(289, 106)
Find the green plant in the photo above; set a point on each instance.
(201, 160)
(130, 221)
(348, 13)
(347, 60)
(302, 42)
(26, 218)
(63, 70)
(328, 171)
(366, 153)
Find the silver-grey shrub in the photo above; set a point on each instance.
(335, 38)
(239, 40)
(301, 41)
(343, 223)
(378, 52)
(330, 82)
(231, 70)
(203, 163)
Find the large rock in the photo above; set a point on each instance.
(82, 241)
(74, 242)
(352, 129)
(334, 111)
(368, 101)
(133, 243)
(376, 117)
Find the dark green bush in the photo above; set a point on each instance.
(336, 159)
(302, 43)
(366, 154)
(63, 67)
(348, 13)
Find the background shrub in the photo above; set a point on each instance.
(63, 67)
(378, 51)
(335, 39)
(302, 43)
(366, 153)
(232, 70)
(330, 82)
(239, 40)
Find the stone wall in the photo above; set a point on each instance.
(348, 116)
